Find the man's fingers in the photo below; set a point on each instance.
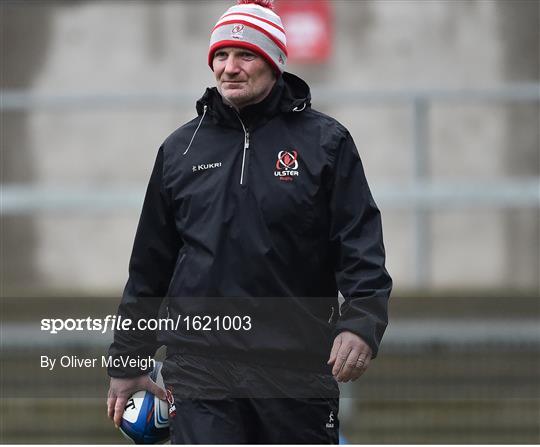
(156, 390)
(350, 355)
(365, 357)
(341, 357)
(119, 407)
(362, 364)
(367, 360)
(348, 366)
(111, 401)
(335, 349)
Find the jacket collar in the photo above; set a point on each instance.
(290, 94)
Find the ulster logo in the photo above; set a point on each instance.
(237, 32)
(287, 166)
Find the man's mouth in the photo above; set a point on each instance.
(233, 85)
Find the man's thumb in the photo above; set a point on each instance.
(156, 390)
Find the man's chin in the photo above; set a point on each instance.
(234, 93)
(234, 97)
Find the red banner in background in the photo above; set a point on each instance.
(308, 25)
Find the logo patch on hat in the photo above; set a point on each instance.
(238, 32)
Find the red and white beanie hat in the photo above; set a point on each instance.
(252, 24)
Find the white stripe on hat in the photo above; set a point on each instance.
(272, 29)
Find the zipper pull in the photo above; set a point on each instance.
(245, 155)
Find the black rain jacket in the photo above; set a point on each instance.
(264, 213)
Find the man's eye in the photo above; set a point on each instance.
(221, 55)
(249, 56)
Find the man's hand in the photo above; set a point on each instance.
(120, 390)
(350, 356)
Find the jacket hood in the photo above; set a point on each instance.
(296, 93)
(289, 94)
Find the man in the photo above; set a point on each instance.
(256, 214)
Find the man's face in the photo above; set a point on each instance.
(242, 77)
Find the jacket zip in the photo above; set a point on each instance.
(245, 155)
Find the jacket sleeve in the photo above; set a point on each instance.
(151, 266)
(357, 243)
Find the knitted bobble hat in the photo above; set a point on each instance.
(252, 24)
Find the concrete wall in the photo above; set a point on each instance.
(117, 47)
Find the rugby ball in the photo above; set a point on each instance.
(146, 418)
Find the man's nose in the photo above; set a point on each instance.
(232, 65)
